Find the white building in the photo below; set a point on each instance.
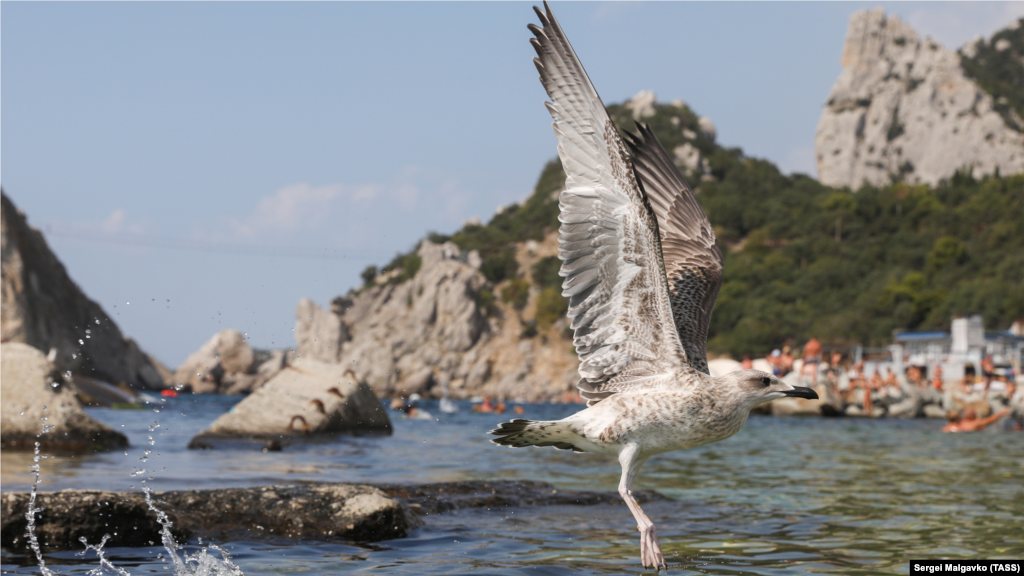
(965, 343)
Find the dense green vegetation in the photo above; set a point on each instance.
(1001, 72)
(848, 267)
(802, 259)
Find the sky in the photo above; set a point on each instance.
(200, 166)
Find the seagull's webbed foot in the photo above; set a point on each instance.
(650, 548)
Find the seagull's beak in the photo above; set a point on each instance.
(802, 392)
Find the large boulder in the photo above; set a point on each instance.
(34, 394)
(226, 364)
(904, 109)
(42, 307)
(306, 398)
(323, 511)
(320, 333)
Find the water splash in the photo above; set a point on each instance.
(105, 566)
(202, 563)
(30, 515)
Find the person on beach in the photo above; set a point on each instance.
(775, 361)
(968, 421)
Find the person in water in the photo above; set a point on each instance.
(968, 421)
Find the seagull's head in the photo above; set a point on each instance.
(757, 387)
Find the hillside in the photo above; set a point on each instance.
(907, 108)
(44, 308)
(801, 259)
(997, 65)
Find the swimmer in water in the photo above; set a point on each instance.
(968, 421)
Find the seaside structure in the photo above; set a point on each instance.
(965, 344)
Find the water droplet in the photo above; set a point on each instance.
(97, 321)
(81, 342)
(54, 384)
(67, 374)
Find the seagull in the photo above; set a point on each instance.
(642, 272)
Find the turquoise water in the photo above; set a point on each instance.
(784, 496)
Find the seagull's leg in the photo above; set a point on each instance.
(650, 547)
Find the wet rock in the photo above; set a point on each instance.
(445, 496)
(93, 392)
(322, 511)
(42, 307)
(33, 389)
(307, 398)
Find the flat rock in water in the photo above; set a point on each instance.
(331, 511)
(33, 389)
(307, 399)
(321, 511)
(442, 497)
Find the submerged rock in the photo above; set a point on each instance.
(32, 389)
(307, 398)
(325, 511)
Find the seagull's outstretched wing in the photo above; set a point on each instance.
(609, 243)
(693, 261)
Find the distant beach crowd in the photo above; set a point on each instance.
(984, 395)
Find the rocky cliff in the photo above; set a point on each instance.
(44, 308)
(904, 109)
(444, 329)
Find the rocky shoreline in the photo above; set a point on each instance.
(350, 512)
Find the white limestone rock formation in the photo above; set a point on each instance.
(445, 329)
(903, 109)
(31, 389)
(308, 397)
(44, 308)
(226, 364)
(642, 104)
(320, 333)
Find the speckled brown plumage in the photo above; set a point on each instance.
(642, 273)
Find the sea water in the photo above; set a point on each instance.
(784, 496)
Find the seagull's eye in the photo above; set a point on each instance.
(766, 381)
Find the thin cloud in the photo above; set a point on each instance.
(298, 206)
(114, 222)
(606, 9)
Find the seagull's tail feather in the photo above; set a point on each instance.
(519, 433)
